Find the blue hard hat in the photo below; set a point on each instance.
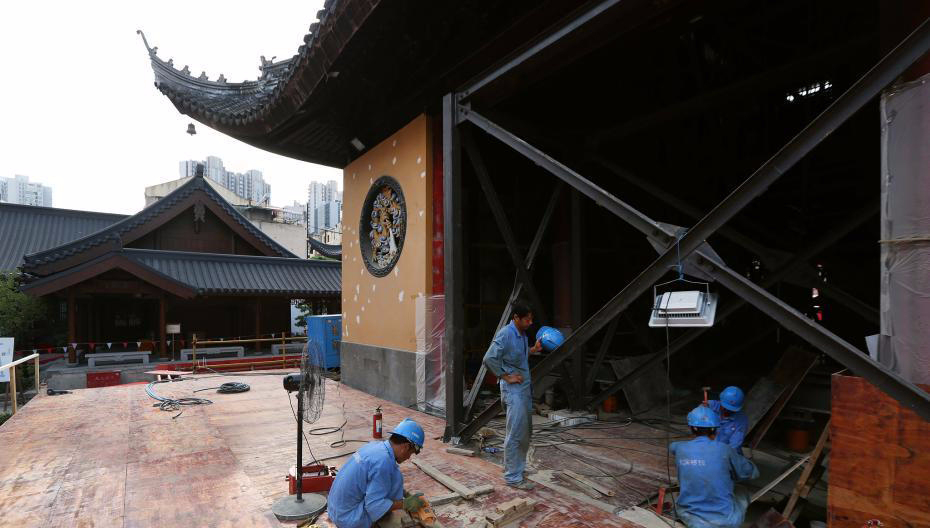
(411, 431)
(703, 416)
(732, 398)
(550, 338)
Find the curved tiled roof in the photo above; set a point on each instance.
(26, 229)
(222, 102)
(114, 232)
(221, 274)
(327, 250)
(240, 274)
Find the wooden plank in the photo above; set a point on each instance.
(444, 479)
(879, 458)
(510, 512)
(450, 498)
(600, 488)
(806, 473)
(544, 477)
(459, 451)
(587, 490)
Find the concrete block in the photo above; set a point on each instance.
(382, 372)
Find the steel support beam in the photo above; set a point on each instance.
(867, 87)
(500, 217)
(829, 237)
(547, 41)
(908, 394)
(601, 354)
(454, 267)
(515, 293)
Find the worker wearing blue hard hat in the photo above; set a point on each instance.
(733, 421)
(706, 473)
(369, 489)
(508, 359)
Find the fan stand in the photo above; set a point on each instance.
(300, 506)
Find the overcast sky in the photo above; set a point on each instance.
(80, 112)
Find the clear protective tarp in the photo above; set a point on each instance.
(904, 343)
(431, 383)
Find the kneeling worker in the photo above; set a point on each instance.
(733, 421)
(369, 489)
(706, 471)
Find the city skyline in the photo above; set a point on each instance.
(249, 185)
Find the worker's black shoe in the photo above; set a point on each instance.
(523, 485)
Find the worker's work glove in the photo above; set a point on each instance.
(413, 502)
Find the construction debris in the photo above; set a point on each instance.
(450, 498)
(459, 451)
(590, 483)
(510, 511)
(587, 490)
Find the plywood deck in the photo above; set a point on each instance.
(107, 457)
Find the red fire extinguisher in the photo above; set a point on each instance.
(376, 424)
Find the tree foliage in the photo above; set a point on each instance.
(19, 313)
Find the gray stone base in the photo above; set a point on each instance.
(382, 372)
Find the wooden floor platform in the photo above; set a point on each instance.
(108, 457)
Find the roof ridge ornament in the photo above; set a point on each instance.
(152, 51)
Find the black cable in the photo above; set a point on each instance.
(172, 404)
(232, 387)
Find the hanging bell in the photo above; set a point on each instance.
(190, 129)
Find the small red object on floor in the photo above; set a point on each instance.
(102, 379)
(315, 478)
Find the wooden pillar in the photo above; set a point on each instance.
(163, 336)
(72, 326)
(258, 319)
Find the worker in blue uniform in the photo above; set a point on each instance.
(707, 470)
(369, 489)
(733, 421)
(508, 359)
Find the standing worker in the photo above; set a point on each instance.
(733, 421)
(508, 359)
(369, 489)
(706, 471)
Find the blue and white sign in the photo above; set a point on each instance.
(6, 356)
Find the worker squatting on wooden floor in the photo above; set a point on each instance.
(369, 490)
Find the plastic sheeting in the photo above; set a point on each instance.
(904, 343)
(431, 383)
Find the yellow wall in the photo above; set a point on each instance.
(381, 311)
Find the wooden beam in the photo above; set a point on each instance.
(768, 487)
(444, 479)
(588, 482)
(806, 473)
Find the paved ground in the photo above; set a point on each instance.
(107, 457)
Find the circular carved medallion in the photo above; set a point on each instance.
(383, 226)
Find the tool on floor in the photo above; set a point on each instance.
(424, 517)
(53, 392)
(376, 424)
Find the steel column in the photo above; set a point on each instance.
(844, 107)
(453, 250)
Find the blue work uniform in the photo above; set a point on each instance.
(732, 430)
(706, 472)
(366, 487)
(509, 354)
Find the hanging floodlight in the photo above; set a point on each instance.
(683, 308)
